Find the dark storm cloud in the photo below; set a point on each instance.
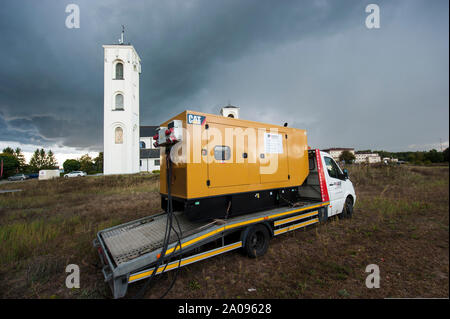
(304, 60)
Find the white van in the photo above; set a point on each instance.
(48, 174)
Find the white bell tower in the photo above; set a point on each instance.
(121, 109)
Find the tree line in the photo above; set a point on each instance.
(14, 162)
(85, 163)
(417, 158)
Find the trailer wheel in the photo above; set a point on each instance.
(257, 241)
(347, 211)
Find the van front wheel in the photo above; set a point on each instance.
(347, 211)
(257, 241)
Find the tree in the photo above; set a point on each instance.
(98, 162)
(8, 150)
(347, 156)
(446, 155)
(86, 163)
(71, 165)
(10, 164)
(35, 161)
(20, 158)
(434, 156)
(41, 160)
(50, 160)
(411, 157)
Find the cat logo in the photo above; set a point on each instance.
(196, 119)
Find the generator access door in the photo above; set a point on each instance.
(227, 156)
(273, 163)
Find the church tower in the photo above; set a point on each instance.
(121, 109)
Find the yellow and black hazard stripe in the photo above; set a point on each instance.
(239, 224)
(183, 262)
(295, 226)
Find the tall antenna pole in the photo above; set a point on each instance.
(121, 36)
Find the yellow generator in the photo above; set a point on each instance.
(222, 167)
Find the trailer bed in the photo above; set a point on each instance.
(138, 238)
(130, 251)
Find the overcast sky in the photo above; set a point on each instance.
(313, 64)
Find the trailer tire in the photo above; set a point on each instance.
(256, 241)
(347, 211)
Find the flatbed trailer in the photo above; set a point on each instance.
(131, 251)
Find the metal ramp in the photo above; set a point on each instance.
(135, 239)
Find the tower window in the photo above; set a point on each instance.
(119, 102)
(118, 135)
(119, 71)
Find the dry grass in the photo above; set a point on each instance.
(400, 223)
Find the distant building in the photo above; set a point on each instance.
(336, 152)
(390, 160)
(148, 155)
(230, 111)
(367, 157)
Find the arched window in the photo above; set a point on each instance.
(118, 135)
(119, 71)
(142, 144)
(119, 102)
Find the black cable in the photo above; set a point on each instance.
(179, 260)
(169, 228)
(166, 233)
(179, 236)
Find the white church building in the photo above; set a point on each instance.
(128, 147)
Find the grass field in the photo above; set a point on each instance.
(400, 223)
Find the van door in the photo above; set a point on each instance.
(334, 178)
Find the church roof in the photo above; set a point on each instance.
(147, 131)
(149, 153)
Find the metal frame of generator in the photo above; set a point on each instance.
(228, 165)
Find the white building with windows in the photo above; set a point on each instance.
(336, 152)
(128, 148)
(149, 155)
(365, 157)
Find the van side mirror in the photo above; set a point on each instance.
(345, 171)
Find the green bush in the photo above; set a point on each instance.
(156, 171)
(71, 165)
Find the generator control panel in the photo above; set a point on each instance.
(169, 135)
